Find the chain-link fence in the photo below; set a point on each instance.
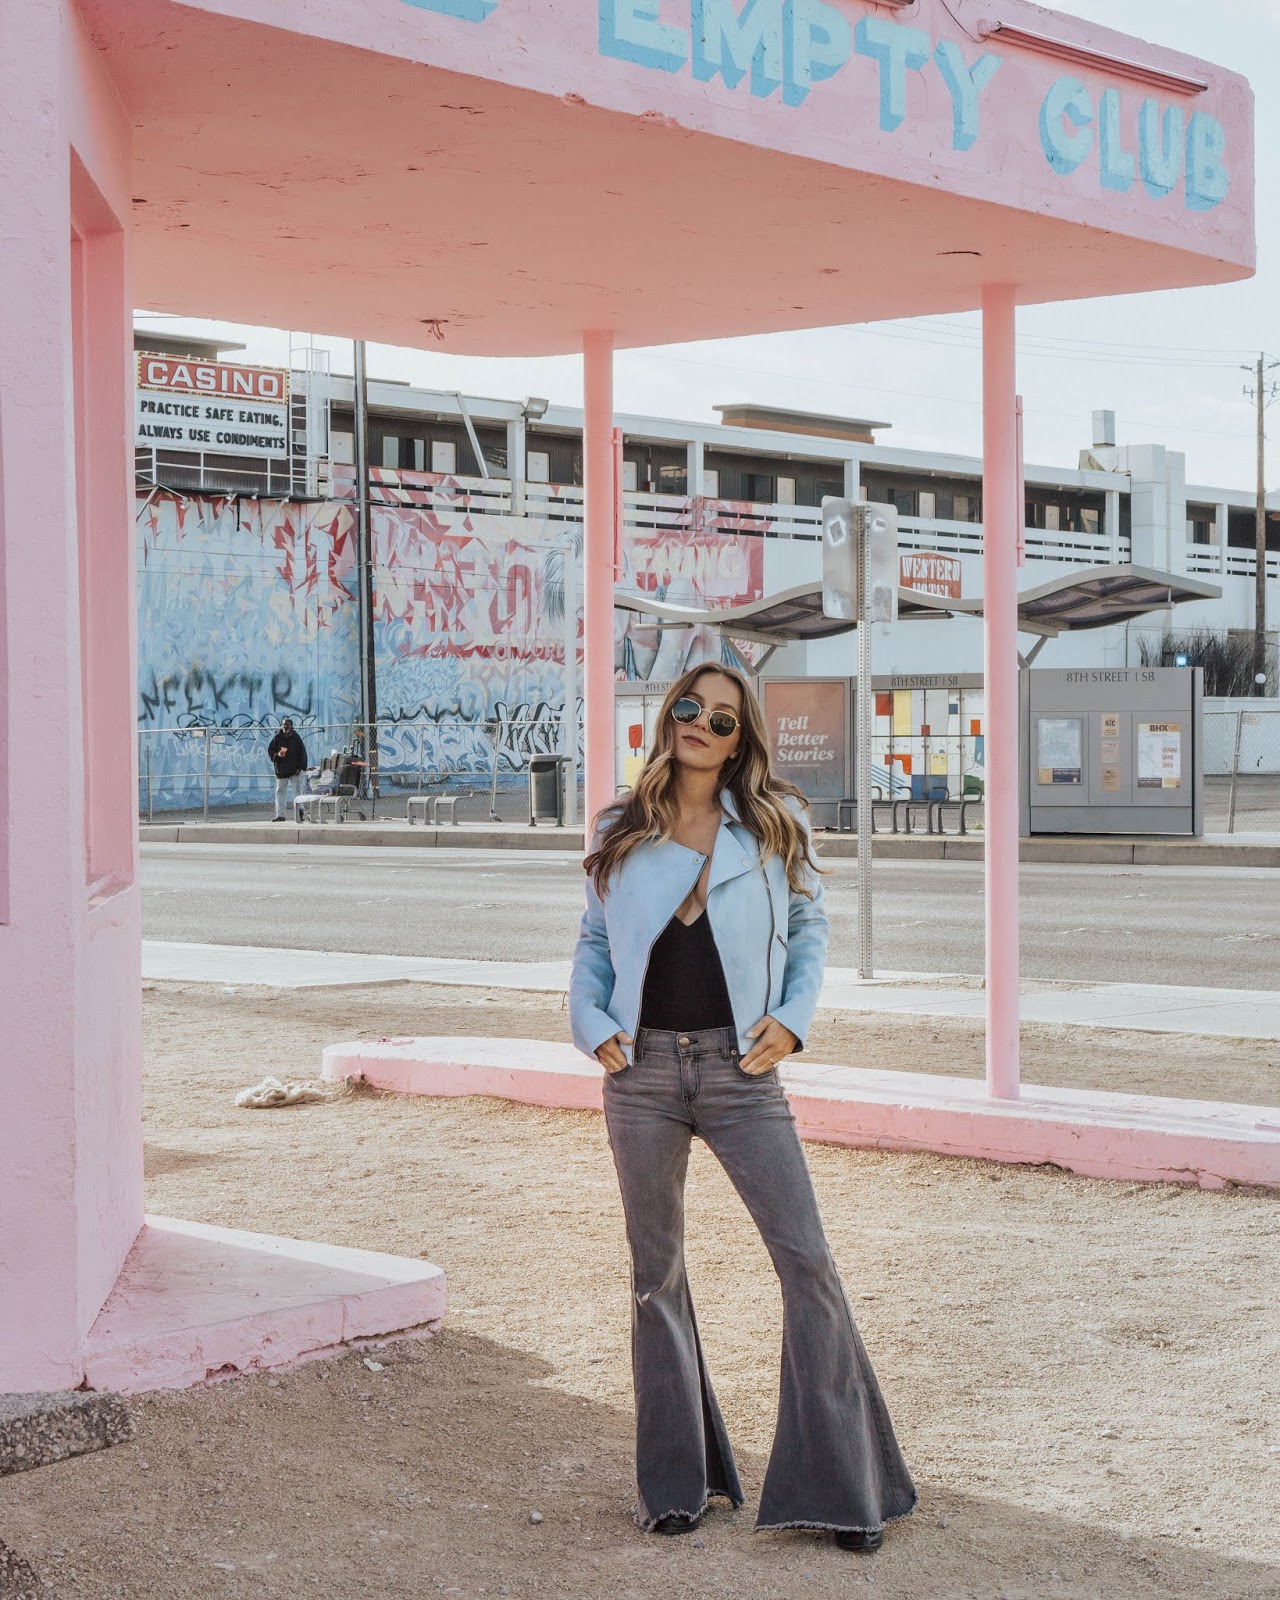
(226, 775)
(1242, 770)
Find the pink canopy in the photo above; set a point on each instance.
(487, 176)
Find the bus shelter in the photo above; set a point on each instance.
(493, 177)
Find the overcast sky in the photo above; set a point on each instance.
(1167, 364)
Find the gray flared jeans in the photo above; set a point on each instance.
(835, 1462)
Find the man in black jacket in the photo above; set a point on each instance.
(289, 758)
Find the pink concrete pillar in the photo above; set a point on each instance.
(598, 567)
(1001, 520)
(70, 980)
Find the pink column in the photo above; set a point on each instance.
(70, 980)
(1001, 519)
(598, 558)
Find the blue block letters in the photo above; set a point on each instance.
(630, 31)
(1067, 100)
(464, 10)
(965, 85)
(897, 48)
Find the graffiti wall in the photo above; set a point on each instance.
(712, 555)
(248, 613)
(469, 628)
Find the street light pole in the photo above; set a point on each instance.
(364, 564)
(1262, 397)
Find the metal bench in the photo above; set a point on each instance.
(426, 808)
(311, 807)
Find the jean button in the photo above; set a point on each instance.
(683, 1039)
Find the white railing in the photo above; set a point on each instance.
(1240, 562)
(646, 512)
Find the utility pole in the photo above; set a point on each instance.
(364, 566)
(1263, 395)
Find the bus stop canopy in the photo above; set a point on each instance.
(492, 177)
(495, 176)
(1095, 597)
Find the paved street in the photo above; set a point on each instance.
(1215, 927)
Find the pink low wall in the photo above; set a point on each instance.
(1096, 1134)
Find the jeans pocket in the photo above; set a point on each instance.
(753, 1077)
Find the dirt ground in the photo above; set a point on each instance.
(1085, 1376)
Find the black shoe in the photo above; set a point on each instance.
(279, 819)
(676, 1523)
(865, 1542)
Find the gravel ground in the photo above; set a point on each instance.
(1083, 1374)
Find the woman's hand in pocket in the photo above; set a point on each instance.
(773, 1041)
(610, 1055)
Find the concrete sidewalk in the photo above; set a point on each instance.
(1213, 850)
(1147, 1008)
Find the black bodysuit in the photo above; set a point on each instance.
(684, 988)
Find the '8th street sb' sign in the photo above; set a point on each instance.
(211, 406)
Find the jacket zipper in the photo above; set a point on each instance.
(773, 931)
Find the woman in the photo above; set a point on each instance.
(697, 971)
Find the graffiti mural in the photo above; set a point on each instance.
(248, 612)
(246, 615)
(712, 555)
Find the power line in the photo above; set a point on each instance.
(845, 387)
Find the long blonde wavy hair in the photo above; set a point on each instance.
(649, 811)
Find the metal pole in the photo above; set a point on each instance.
(1235, 773)
(206, 774)
(364, 551)
(862, 753)
(1001, 516)
(472, 434)
(1260, 542)
(569, 723)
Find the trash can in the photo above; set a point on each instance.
(546, 789)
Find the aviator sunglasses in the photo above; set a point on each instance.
(721, 723)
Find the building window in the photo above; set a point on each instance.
(673, 480)
(903, 501)
(1090, 520)
(757, 487)
(1053, 518)
(927, 501)
(537, 466)
(419, 455)
(444, 457)
(1202, 525)
(630, 476)
(786, 491)
(711, 482)
(390, 452)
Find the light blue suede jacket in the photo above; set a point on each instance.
(772, 942)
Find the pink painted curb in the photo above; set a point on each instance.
(1092, 1132)
(195, 1302)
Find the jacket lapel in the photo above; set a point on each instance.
(735, 850)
